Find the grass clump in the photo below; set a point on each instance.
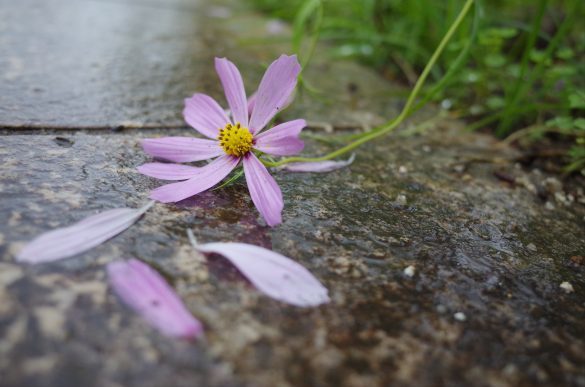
(514, 67)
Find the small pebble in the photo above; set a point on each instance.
(549, 206)
(409, 271)
(426, 148)
(441, 309)
(446, 104)
(531, 247)
(459, 168)
(560, 197)
(401, 200)
(570, 198)
(460, 316)
(402, 170)
(567, 287)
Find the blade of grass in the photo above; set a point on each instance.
(516, 92)
(406, 110)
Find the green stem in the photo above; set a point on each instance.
(406, 110)
(457, 63)
(519, 110)
(518, 90)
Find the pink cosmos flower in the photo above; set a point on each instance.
(231, 141)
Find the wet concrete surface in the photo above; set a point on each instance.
(483, 307)
(444, 257)
(130, 63)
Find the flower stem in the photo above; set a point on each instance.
(406, 110)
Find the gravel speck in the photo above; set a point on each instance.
(567, 287)
(401, 200)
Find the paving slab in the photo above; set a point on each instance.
(112, 64)
(480, 305)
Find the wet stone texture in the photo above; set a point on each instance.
(483, 304)
(444, 257)
(130, 64)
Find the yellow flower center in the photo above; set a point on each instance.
(235, 140)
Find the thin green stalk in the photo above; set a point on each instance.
(536, 73)
(519, 109)
(232, 179)
(302, 19)
(406, 110)
(517, 91)
(311, 8)
(457, 63)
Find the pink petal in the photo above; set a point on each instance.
(282, 140)
(252, 102)
(182, 149)
(264, 191)
(82, 236)
(207, 177)
(145, 291)
(205, 115)
(273, 274)
(276, 86)
(168, 171)
(233, 87)
(320, 166)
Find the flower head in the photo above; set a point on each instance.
(231, 141)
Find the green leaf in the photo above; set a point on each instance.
(538, 56)
(561, 71)
(577, 100)
(579, 123)
(504, 32)
(577, 154)
(494, 60)
(495, 36)
(563, 123)
(565, 53)
(495, 102)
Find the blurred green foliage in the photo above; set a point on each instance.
(516, 66)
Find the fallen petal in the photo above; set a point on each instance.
(145, 291)
(271, 273)
(319, 166)
(80, 237)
